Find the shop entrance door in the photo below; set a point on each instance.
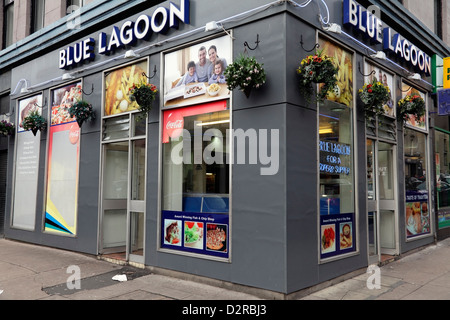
(123, 204)
(382, 195)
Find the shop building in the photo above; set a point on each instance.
(268, 191)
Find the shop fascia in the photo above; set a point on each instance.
(370, 25)
(126, 35)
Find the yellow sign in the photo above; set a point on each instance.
(446, 73)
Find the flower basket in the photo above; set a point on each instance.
(144, 94)
(6, 128)
(374, 95)
(411, 105)
(82, 111)
(317, 69)
(245, 73)
(34, 122)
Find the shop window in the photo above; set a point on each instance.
(336, 161)
(442, 140)
(417, 218)
(196, 180)
(37, 15)
(8, 23)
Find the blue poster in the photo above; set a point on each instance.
(202, 233)
(337, 234)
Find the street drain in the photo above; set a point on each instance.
(97, 281)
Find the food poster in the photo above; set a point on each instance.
(195, 74)
(205, 233)
(118, 84)
(26, 167)
(337, 234)
(63, 162)
(410, 91)
(417, 217)
(379, 75)
(343, 59)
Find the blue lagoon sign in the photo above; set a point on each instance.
(369, 24)
(160, 21)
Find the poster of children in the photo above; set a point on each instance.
(195, 74)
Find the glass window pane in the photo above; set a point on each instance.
(416, 182)
(116, 128)
(443, 178)
(336, 161)
(138, 171)
(115, 173)
(9, 24)
(371, 187)
(196, 179)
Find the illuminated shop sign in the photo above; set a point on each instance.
(126, 35)
(367, 23)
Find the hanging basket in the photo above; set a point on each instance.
(316, 69)
(411, 105)
(374, 95)
(245, 73)
(7, 128)
(144, 94)
(34, 122)
(82, 111)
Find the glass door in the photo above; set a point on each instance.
(123, 189)
(115, 189)
(382, 217)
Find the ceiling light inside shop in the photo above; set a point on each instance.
(211, 122)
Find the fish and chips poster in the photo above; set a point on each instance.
(202, 233)
(342, 59)
(118, 83)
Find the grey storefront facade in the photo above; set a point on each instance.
(281, 221)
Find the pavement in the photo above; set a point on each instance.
(32, 272)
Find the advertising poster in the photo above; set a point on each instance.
(379, 75)
(337, 234)
(26, 167)
(203, 233)
(117, 88)
(342, 59)
(410, 91)
(417, 214)
(63, 162)
(194, 75)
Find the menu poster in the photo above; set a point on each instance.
(26, 167)
(337, 234)
(417, 214)
(203, 233)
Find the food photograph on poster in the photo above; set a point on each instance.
(195, 74)
(118, 84)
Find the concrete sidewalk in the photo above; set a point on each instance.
(422, 275)
(31, 272)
